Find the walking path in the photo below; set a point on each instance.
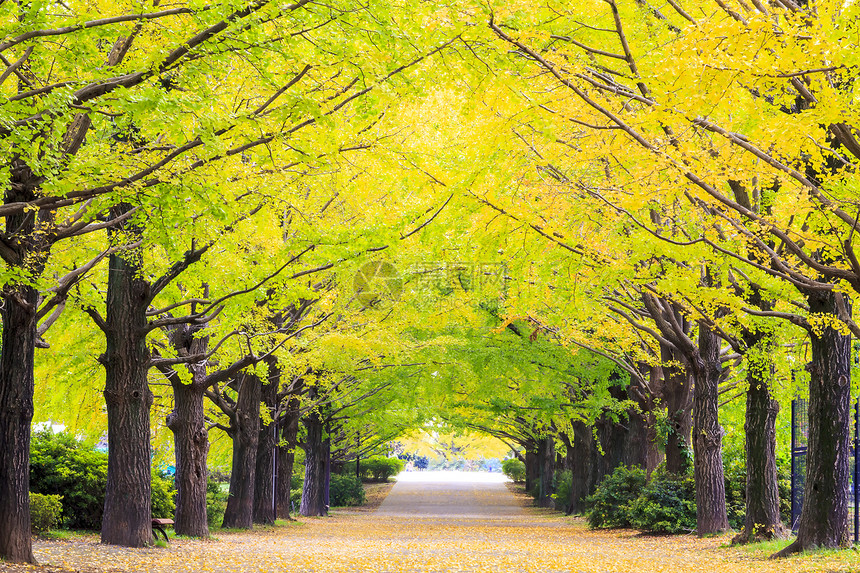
(432, 523)
(451, 495)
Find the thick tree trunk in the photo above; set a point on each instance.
(287, 456)
(32, 235)
(532, 468)
(191, 444)
(264, 486)
(677, 395)
(582, 469)
(711, 514)
(763, 521)
(128, 514)
(314, 489)
(824, 517)
(245, 431)
(546, 464)
(16, 415)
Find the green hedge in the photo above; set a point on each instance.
(216, 503)
(514, 469)
(61, 465)
(345, 490)
(608, 507)
(45, 511)
(667, 504)
(380, 467)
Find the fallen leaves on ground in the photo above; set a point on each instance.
(529, 542)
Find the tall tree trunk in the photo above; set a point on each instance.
(287, 456)
(33, 234)
(824, 517)
(581, 467)
(264, 486)
(546, 461)
(128, 513)
(677, 395)
(532, 469)
(245, 431)
(763, 521)
(191, 444)
(711, 516)
(16, 415)
(313, 491)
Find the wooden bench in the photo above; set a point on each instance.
(158, 524)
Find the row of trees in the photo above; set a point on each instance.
(671, 188)
(180, 176)
(687, 173)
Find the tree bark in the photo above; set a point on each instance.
(546, 464)
(763, 521)
(314, 489)
(16, 415)
(287, 456)
(191, 444)
(677, 395)
(245, 430)
(532, 469)
(824, 517)
(711, 516)
(581, 468)
(264, 487)
(32, 232)
(128, 513)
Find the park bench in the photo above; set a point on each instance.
(158, 524)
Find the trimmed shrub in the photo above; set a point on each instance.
(45, 511)
(667, 504)
(607, 507)
(163, 496)
(514, 469)
(216, 503)
(345, 490)
(61, 465)
(381, 468)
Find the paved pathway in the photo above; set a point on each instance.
(455, 495)
(431, 523)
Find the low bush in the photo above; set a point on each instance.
(380, 468)
(345, 490)
(45, 511)
(295, 500)
(562, 487)
(163, 496)
(608, 506)
(62, 465)
(297, 480)
(667, 504)
(514, 469)
(216, 503)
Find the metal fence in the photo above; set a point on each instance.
(799, 443)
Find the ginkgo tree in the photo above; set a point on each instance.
(703, 115)
(148, 104)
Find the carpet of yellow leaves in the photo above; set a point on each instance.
(532, 541)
